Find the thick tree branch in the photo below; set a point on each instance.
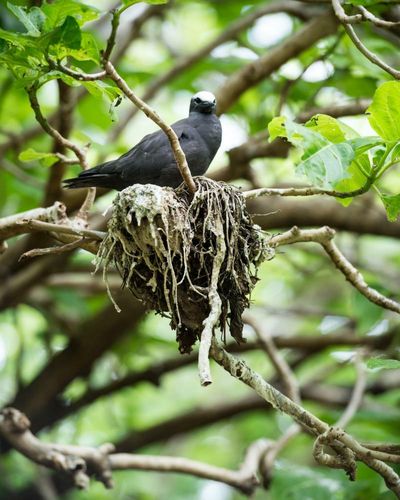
(81, 462)
(319, 27)
(186, 62)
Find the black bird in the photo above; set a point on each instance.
(152, 161)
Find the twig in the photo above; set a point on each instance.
(342, 16)
(368, 54)
(281, 366)
(368, 16)
(56, 228)
(324, 237)
(79, 152)
(172, 137)
(357, 395)
(305, 191)
(67, 247)
(81, 462)
(336, 437)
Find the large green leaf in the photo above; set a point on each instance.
(327, 166)
(88, 50)
(328, 127)
(56, 12)
(324, 163)
(384, 111)
(68, 34)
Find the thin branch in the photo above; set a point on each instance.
(81, 462)
(305, 191)
(79, 152)
(350, 449)
(368, 54)
(56, 228)
(67, 247)
(341, 14)
(281, 366)
(172, 137)
(357, 395)
(368, 16)
(78, 75)
(324, 237)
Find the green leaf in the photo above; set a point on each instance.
(128, 3)
(15, 39)
(356, 180)
(392, 205)
(327, 166)
(383, 364)
(328, 127)
(384, 111)
(324, 163)
(88, 50)
(102, 90)
(32, 19)
(56, 12)
(67, 35)
(362, 144)
(33, 155)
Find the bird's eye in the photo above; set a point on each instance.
(197, 100)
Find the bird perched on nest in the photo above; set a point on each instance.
(152, 161)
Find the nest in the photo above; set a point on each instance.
(192, 258)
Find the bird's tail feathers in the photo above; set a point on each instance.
(89, 180)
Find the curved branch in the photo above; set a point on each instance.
(81, 462)
(172, 137)
(324, 237)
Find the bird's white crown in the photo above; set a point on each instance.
(205, 96)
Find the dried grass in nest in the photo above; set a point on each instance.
(193, 258)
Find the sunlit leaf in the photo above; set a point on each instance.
(328, 127)
(384, 111)
(88, 50)
(324, 163)
(31, 154)
(57, 11)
